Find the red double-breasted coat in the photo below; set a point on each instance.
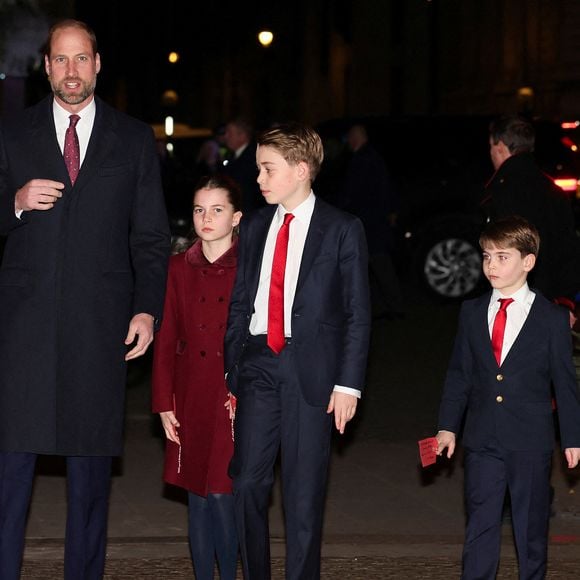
(188, 370)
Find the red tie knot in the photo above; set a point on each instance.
(504, 303)
(74, 119)
(288, 217)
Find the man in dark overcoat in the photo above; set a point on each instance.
(520, 187)
(82, 283)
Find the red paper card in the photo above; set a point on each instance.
(428, 451)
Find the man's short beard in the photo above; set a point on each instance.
(88, 90)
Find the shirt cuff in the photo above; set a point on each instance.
(19, 213)
(347, 390)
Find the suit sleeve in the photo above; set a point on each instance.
(458, 384)
(8, 219)
(150, 238)
(565, 382)
(238, 316)
(164, 350)
(353, 262)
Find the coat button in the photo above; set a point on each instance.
(499, 399)
(202, 353)
(219, 353)
(221, 272)
(202, 298)
(221, 299)
(499, 377)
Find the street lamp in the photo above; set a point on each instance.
(265, 38)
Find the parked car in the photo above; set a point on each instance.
(440, 165)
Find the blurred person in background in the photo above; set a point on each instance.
(519, 187)
(240, 162)
(369, 193)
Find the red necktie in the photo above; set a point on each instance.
(499, 328)
(276, 298)
(72, 155)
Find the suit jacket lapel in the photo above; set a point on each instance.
(312, 243)
(482, 327)
(104, 137)
(43, 138)
(259, 235)
(526, 336)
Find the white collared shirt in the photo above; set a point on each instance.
(517, 313)
(297, 238)
(84, 126)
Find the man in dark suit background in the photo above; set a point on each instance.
(369, 193)
(286, 398)
(519, 187)
(82, 283)
(240, 163)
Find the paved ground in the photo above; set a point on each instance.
(386, 517)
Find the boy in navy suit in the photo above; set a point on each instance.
(295, 349)
(499, 380)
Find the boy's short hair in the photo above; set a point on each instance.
(511, 232)
(296, 143)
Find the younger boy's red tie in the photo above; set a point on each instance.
(275, 338)
(498, 329)
(72, 155)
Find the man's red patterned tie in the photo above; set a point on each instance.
(72, 155)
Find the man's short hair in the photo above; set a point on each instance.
(243, 125)
(69, 23)
(516, 132)
(296, 143)
(511, 232)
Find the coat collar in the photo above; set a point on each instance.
(195, 257)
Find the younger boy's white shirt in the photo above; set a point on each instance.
(517, 313)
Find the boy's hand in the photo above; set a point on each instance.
(344, 407)
(445, 439)
(572, 456)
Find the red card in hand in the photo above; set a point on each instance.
(428, 451)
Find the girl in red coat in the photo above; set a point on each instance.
(189, 391)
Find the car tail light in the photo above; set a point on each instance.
(568, 184)
(567, 142)
(569, 124)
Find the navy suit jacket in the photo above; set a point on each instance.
(331, 309)
(512, 403)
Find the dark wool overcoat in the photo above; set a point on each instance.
(188, 370)
(71, 279)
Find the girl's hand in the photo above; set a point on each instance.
(230, 405)
(170, 425)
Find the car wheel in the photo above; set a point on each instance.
(452, 268)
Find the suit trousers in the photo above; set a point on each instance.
(88, 486)
(489, 472)
(273, 416)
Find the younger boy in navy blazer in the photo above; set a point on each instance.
(508, 434)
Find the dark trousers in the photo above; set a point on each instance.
(271, 416)
(212, 532)
(526, 475)
(88, 486)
